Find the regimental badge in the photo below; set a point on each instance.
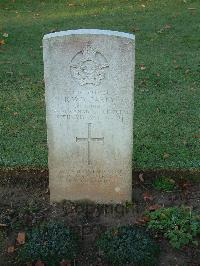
(89, 66)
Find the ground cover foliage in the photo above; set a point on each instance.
(166, 81)
(170, 218)
(51, 242)
(128, 245)
(178, 224)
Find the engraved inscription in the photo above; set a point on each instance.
(88, 66)
(98, 175)
(89, 139)
(93, 105)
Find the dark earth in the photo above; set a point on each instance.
(26, 203)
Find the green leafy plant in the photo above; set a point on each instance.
(26, 215)
(178, 224)
(51, 243)
(164, 183)
(128, 244)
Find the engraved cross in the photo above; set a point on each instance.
(89, 139)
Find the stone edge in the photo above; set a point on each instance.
(88, 32)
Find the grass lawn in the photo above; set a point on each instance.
(167, 91)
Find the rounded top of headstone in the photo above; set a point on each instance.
(88, 32)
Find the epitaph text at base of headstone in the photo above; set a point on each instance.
(89, 76)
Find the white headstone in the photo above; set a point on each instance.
(89, 76)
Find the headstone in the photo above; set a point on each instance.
(89, 77)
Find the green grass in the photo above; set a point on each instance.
(167, 93)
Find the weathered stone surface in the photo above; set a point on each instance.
(89, 77)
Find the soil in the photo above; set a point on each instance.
(25, 204)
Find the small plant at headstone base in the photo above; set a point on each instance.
(26, 216)
(164, 183)
(128, 244)
(51, 243)
(180, 225)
